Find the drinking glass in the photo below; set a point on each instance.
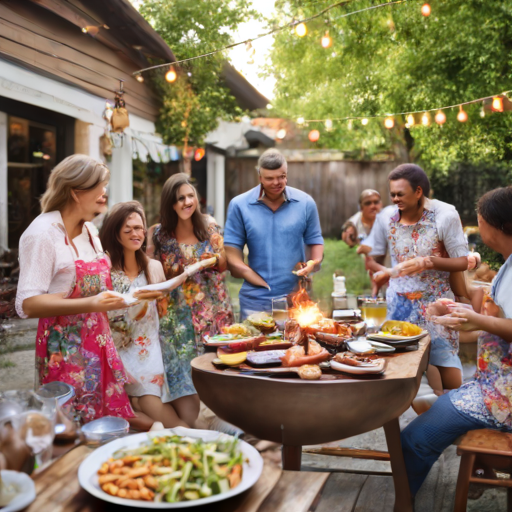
(374, 312)
(280, 311)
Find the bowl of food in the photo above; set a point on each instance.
(263, 322)
(105, 429)
(173, 468)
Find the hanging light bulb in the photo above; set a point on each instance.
(425, 119)
(301, 30)
(314, 135)
(139, 78)
(426, 10)
(410, 120)
(462, 116)
(440, 117)
(350, 124)
(171, 75)
(364, 121)
(300, 121)
(482, 113)
(328, 124)
(389, 122)
(326, 40)
(199, 154)
(251, 52)
(497, 104)
(281, 134)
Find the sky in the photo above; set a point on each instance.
(239, 55)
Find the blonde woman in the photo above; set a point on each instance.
(64, 278)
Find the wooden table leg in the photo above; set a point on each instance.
(403, 499)
(292, 457)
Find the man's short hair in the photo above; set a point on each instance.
(414, 174)
(271, 160)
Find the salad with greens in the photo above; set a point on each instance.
(174, 469)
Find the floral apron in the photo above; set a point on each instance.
(408, 296)
(79, 350)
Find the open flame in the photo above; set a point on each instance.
(304, 310)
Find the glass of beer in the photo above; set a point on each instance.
(280, 311)
(374, 312)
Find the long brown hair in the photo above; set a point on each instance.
(169, 217)
(109, 236)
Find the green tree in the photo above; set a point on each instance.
(393, 59)
(194, 103)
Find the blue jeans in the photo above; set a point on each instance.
(425, 438)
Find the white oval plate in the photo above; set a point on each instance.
(358, 370)
(26, 490)
(88, 470)
(380, 336)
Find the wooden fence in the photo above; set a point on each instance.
(334, 185)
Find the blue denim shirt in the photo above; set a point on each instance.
(276, 241)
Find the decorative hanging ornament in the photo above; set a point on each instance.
(364, 121)
(314, 135)
(389, 122)
(119, 120)
(462, 116)
(426, 10)
(410, 120)
(440, 117)
(328, 124)
(171, 75)
(301, 30)
(497, 104)
(425, 119)
(326, 40)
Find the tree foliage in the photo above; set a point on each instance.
(194, 103)
(393, 59)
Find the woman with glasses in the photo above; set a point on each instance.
(136, 330)
(358, 227)
(64, 281)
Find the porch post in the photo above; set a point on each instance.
(4, 245)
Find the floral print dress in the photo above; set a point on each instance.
(136, 335)
(199, 307)
(488, 396)
(79, 350)
(409, 296)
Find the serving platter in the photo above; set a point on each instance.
(359, 370)
(88, 470)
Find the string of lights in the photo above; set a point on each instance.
(299, 26)
(496, 105)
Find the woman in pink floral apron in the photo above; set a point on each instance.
(426, 243)
(61, 259)
(486, 400)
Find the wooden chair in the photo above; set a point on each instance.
(483, 448)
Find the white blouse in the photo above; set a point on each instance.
(47, 263)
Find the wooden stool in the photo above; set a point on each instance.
(490, 448)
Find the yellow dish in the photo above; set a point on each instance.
(398, 328)
(233, 359)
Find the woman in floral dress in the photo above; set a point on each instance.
(426, 243)
(201, 306)
(64, 278)
(136, 330)
(485, 401)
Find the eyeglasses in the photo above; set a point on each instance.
(136, 229)
(368, 203)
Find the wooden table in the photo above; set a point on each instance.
(58, 490)
(296, 412)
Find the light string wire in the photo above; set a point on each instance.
(379, 116)
(292, 23)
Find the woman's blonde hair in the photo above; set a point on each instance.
(76, 172)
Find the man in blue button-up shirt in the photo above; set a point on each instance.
(278, 224)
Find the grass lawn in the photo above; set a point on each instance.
(338, 257)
